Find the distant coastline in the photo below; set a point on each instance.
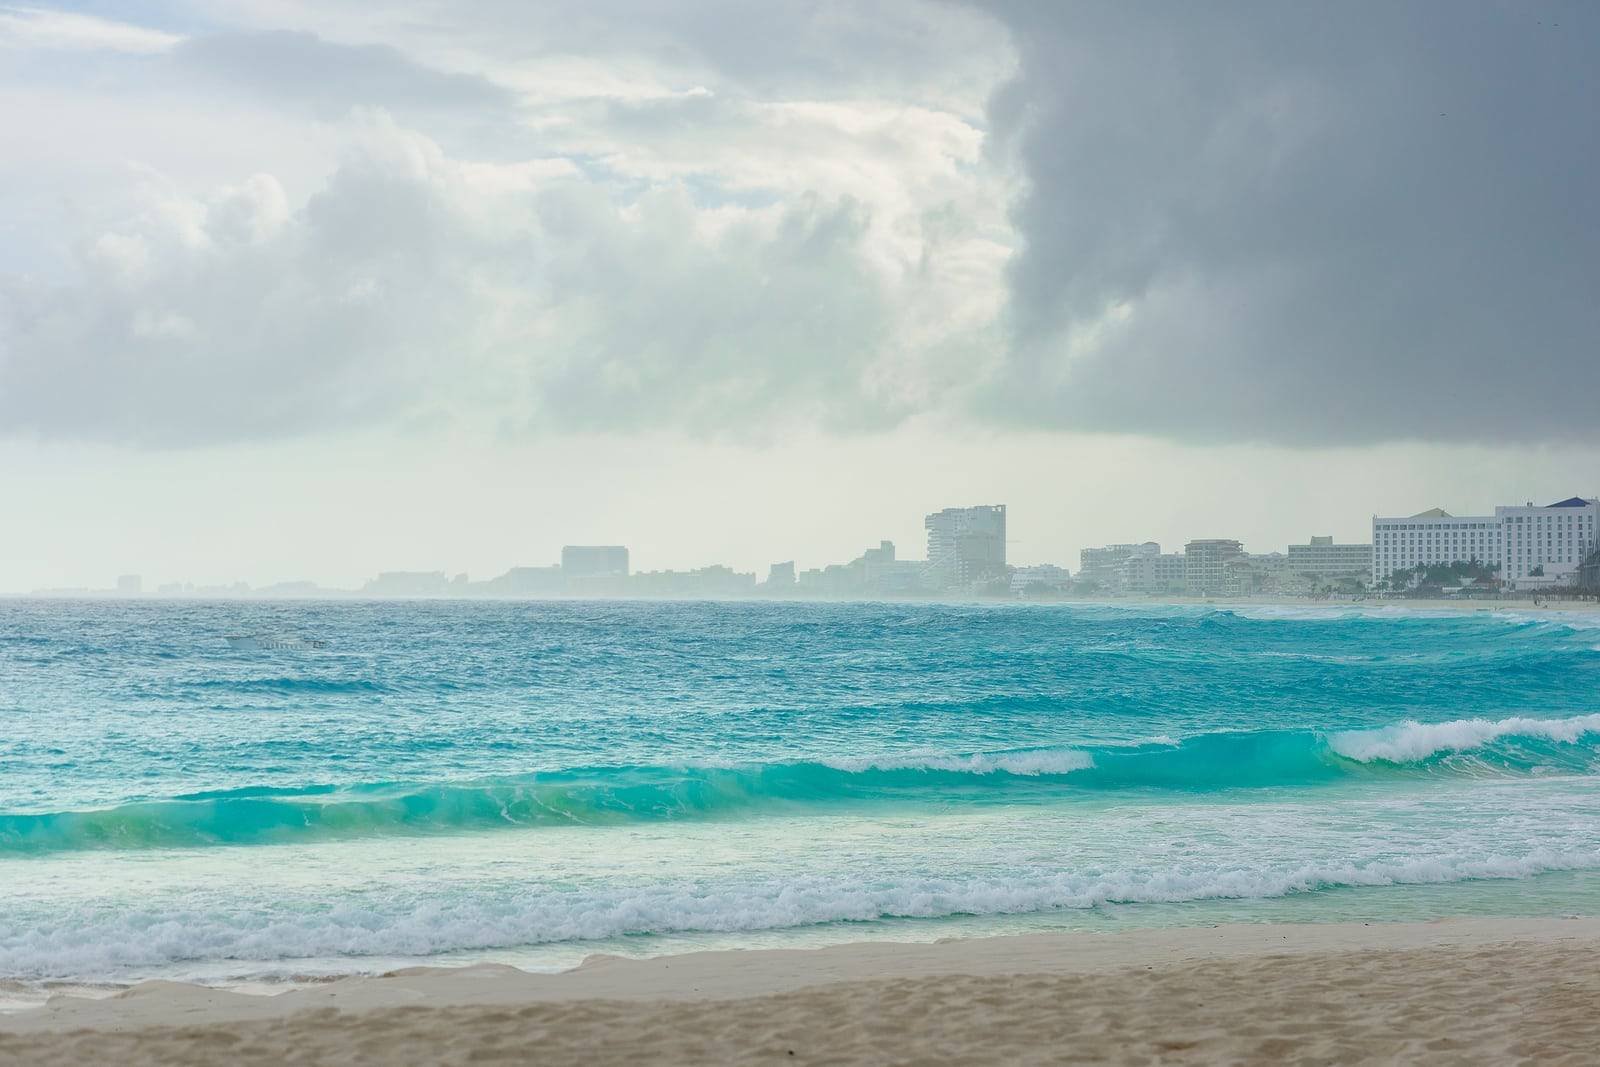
(1474, 605)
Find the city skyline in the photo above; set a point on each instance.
(967, 554)
(303, 291)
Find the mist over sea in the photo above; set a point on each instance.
(536, 781)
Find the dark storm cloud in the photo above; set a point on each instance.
(1304, 222)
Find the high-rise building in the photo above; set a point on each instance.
(594, 561)
(1532, 545)
(967, 546)
(1205, 564)
(1546, 545)
(1432, 538)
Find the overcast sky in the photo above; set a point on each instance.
(312, 290)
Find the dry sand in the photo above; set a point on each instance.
(1465, 991)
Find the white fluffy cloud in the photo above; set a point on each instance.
(587, 216)
(414, 287)
(41, 28)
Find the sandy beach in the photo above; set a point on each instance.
(1475, 991)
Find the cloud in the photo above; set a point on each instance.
(1303, 224)
(414, 288)
(942, 54)
(1254, 223)
(39, 28)
(330, 78)
(616, 256)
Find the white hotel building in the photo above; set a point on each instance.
(1552, 540)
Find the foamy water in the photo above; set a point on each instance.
(531, 781)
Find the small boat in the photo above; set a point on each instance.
(272, 643)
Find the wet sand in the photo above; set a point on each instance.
(1460, 991)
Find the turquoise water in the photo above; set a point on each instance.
(532, 782)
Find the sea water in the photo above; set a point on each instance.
(532, 782)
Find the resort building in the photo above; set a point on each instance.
(714, 581)
(1589, 573)
(1326, 561)
(966, 546)
(1432, 538)
(526, 581)
(594, 561)
(1041, 579)
(1249, 574)
(1546, 545)
(1104, 567)
(876, 572)
(408, 584)
(1205, 565)
(1532, 545)
(1155, 572)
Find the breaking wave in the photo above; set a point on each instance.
(620, 794)
(104, 944)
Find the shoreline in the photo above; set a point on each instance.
(1195, 993)
(1340, 603)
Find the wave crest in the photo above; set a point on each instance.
(1214, 762)
(1415, 742)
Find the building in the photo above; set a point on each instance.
(1327, 562)
(594, 561)
(876, 572)
(408, 584)
(1154, 573)
(966, 547)
(129, 585)
(1542, 546)
(526, 582)
(780, 577)
(1042, 579)
(1249, 574)
(1205, 565)
(1589, 573)
(1531, 545)
(1432, 538)
(710, 582)
(1104, 568)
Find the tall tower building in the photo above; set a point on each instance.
(966, 546)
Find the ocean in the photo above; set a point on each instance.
(534, 782)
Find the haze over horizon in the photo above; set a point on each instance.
(310, 291)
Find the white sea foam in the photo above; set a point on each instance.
(1332, 611)
(110, 945)
(1051, 761)
(1572, 620)
(1409, 742)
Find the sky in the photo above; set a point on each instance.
(295, 290)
